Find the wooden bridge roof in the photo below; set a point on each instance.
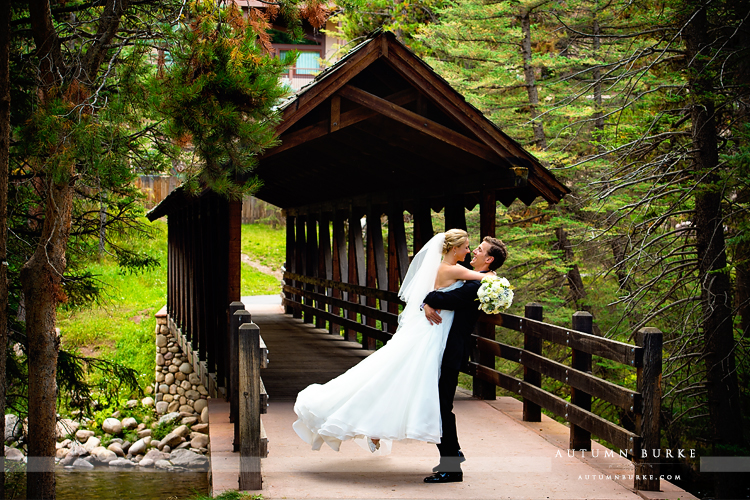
(381, 125)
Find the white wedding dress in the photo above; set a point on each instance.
(392, 394)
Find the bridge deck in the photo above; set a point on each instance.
(507, 458)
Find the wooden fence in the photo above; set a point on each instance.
(355, 309)
(157, 187)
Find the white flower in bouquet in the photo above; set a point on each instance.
(495, 294)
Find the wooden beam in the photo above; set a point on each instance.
(417, 122)
(487, 213)
(341, 121)
(423, 230)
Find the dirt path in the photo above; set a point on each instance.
(260, 267)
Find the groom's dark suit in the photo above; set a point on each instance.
(463, 302)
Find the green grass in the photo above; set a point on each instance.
(264, 244)
(120, 327)
(254, 282)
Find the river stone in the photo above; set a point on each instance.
(191, 394)
(61, 453)
(164, 388)
(13, 454)
(173, 389)
(181, 430)
(103, 455)
(199, 441)
(78, 450)
(204, 414)
(194, 379)
(121, 462)
(174, 348)
(169, 378)
(13, 428)
(186, 385)
(168, 418)
(168, 355)
(202, 428)
(81, 463)
(143, 433)
(69, 459)
(154, 443)
(161, 407)
(186, 368)
(132, 403)
(174, 406)
(159, 377)
(129, 423)
(168, 398)
(146, 462)
(163, 464)
(200, 405)
(156, 455)
(186, 409)
(181, 393)
(164, 329)
(138, 447)
(180, 376)
(112, 426)
(171, 440)
(161, 341)
(189, 420)
(183, 446)
(92, 443)
(63, 444)
(202, 389)
(83, 435)
(149, 390)
(140, 427)
(65, 427)
(117, 449)
(187, 458)
(173, 369)
(159, 359)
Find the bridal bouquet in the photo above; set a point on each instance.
(495, 294)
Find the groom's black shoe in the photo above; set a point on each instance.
(445, 477)
(449, 463)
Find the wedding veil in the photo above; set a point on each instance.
(420, 278)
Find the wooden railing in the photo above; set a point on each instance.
(339, 304)
(247, 395)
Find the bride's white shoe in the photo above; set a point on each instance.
(373, 445)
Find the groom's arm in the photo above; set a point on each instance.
(461, 298)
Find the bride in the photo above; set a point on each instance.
(393, 393)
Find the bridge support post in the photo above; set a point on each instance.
(249, 415)
(580, 439)
(647, 420)
(240, 318)
(532, 412)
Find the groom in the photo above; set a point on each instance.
(488, 256)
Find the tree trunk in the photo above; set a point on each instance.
(597, 75)
(719, 346)
(528, 72)
(41, 279)
(4, 170)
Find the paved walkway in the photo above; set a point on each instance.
(507, 458)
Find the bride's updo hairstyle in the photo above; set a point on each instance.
(454, 238)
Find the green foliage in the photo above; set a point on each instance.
(264, 244)
(254, 282)
(218, 96)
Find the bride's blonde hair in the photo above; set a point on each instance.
(454, 238)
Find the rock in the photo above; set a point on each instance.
(189, 420)
(161, 407)
(168, 398)
(116, 414)
(186, 368)
(161, 341)
(174, 406)
(174, 348)
(187, 409)
(159, 377)
(174, 369)
(164, 329)
(202, 428)
(183, 446)
(103, 455)
(140, 427)
(143, 433)
(169, 417)
(194, 379)
(112, 426)
(132, 403)
(138, 447)
(169, 378)
(189, 459)
(61, 453)
(63, 444)
(202, 389)
(80, 463)
(180, 376)
(181, 430)
(13, 428)
(121, 462)
(83, 435)
(164, 389)
(163, 464)
(199, 441)
(204, 414)
(147, 401)
(172, 439)
(168, 355)
(159, 358)
(117, 449)
(146, 462)
(129, 423)
(66, 427)
(166, 449)
(78, 450)
(191, 394)
(68, 460)
(199, 405)
(149, 390)
(156, 455)
(125, 445)
(13, 454)
(92, 443)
